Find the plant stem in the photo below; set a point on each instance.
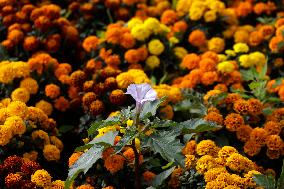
(136, 166)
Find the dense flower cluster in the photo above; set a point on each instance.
(66, 64)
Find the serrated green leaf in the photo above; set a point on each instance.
(157, 123)
(83, 164)
(166, 144)
(150, 108)
(103, 123)
(265, 181)
(249, 75)
(280, 182)
(159, 179)
(198, 125)
(263, 70)
(126, 139)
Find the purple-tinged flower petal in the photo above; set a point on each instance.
(142, 92)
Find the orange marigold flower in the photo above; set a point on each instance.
(215, 117)
(259, 135)
(189, 148)
(211, 55)
(166, 112)
(97, 107)
(88, 86)
(78, 78)
(117, 97)
(255, 106)
(232, 98)
(13, 180)
(16, 36)
(243, 133)
(197, 38)
(30, 84)
(241, 106)
(190, 61)
(90, 43)
(252, 148)
(52, 91)
(259, 8)
(180, 26)
(274, 142)
(208, 78)
(108, 152)
(207, 64)
(273, 154)
(255, 38)
(51, 152)
(132, 56)
(73, 158)
(29, 167)
(127, 41)
(148, 176)
(233, 121)
(244, 9)
(274, 44)
(61, 104)
(31, 43)
(272, 127)
(169, 17)
(88, 98)
(85, 186)
(114, 163)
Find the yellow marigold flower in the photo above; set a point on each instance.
(57, 142)
(248, 180)
(258, 58)
(57, 184)
(216, 44)
(216, 185)
(6, 101)
(230, 52)
(226, 151)
(174, 40)
(32, 155)
(114, 163)
(241, 48)
(189, 161)
(245, 61)
(152, 24)
(3, 115)
(134, 22)
(207, 147)
(20, 94)
(226, 67)
(222, 57)
(196, 10)
(16, 124)
(216, 5)
(153, 62)
(156, 47)
(6, 135)
(137, 144)
(210, 16)
(11, 70)
(131, 76)
(42, 135)
(172, 93)
(51, 152)
(104, 130)
(180, 52)
(205, 163)
(41, 178)
(212, 174)
(183, 6)
(140, 32)
(17, 108)
(210, 94)
(30, 84)
(45, 106)
(239, 163)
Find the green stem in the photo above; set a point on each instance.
(109, 16)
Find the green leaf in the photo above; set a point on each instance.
(249, 75)
(83, 164)
(126, 139)
(100, 124)
(168, 165)
(267, 111)
(198, 125)
(280, 45)
(159, 179)
(108, 139)
(65, 128)
(150, 108)
(166, 144)
(215, 99)
(280, 182)
(265, 181)
(263, 70)
(157, 123)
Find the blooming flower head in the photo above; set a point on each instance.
(141, 93)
